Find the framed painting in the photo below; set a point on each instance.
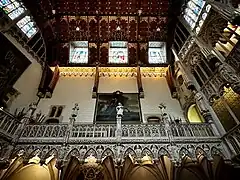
(106, 107)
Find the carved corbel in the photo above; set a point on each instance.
(96, 83)
(229, 75)
(139, 83)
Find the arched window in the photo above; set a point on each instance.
(192, 11)
(13, 9)
(59, 111)
(53, 111)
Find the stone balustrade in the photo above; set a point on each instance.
(8, 125)
(107, 132)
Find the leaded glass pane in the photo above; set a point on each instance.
(31, 32)
(23, 21)
(4, 2)
(16, 13)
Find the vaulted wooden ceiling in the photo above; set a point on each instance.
(96, 21)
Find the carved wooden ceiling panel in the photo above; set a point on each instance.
(100, 21)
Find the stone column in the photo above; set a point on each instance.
(203, 107)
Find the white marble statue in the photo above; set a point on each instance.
(75, 110)
(119, 110)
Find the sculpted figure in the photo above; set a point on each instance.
(75, 110)
(119, 110)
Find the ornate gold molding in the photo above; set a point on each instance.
(112, 71)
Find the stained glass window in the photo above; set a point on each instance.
(78, 52)
(118, 52)
(156, 52)
(12, 8)
(192, 11)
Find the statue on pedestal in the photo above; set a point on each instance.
(119, 110)
(75, 110)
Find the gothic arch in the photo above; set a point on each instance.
(216, 152)
(73, 152)
(92, 152)
(200, 152)
(147, 151)
(34, 153)
(131, 152)
(51, 152)
(163, 152)
(18, 152)
(107, 152)
(185, 152)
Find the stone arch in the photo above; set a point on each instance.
(163, 152)
(18, 152)
(216, 152)
(53, 151)
(92, 152)
(107, 152)
(147, 151)
(131, 152)
(73, 152)
(200, 152)
(185, 152)
(34, 153)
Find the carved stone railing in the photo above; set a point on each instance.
(232, 139)
(8, 125)
(89, 133)
(44, 133)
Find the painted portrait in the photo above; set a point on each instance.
(106, 107)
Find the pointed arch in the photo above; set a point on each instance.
(216, 152)
(73, 152)
(184, 152)
(147, 151)
(199, 153)
(92, 152)
(18, 152)
(163, 152)
(34, 153)
(107, 152)
(131, 152)
(53, 151)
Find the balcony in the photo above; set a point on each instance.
(106, 133)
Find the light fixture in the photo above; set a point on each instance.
(77, 28)
(118, 28)
(54, 11)
(158, 29)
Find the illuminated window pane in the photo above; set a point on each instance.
(192, 11)
(118, 52)
(78, 52)
(4, 2)
(11, 7)
(31, 32)
(157, 52)
(23, 21)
